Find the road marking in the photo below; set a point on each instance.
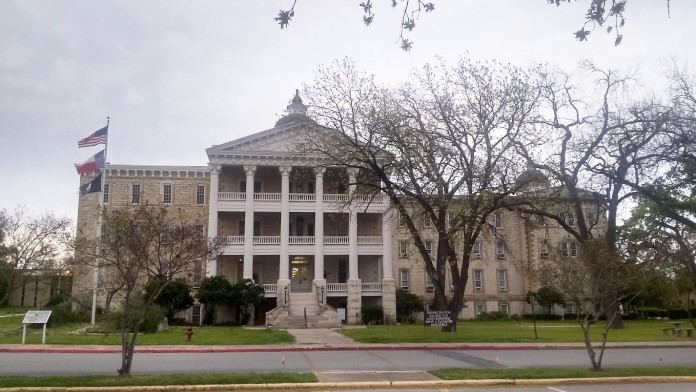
(556, 389)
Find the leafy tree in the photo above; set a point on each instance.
(246, 295)
(548, 297)
(30, 244)
(439, 148)
(174, 296)
(213, 292)
(138, 244)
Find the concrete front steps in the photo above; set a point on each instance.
(316, 317)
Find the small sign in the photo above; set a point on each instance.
(438, 319)
(36, 317)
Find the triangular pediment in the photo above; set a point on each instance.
(282, 140)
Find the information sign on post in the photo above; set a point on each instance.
(35, 317)
(438, 319)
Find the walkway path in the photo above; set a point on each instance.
(326, 337)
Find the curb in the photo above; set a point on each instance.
(369, 385)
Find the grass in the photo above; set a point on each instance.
(543, 373)
(473, 331)
(173, 336)
(162, 379)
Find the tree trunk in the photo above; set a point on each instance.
(585, 326)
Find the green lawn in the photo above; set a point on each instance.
(472, 331)
(164, 379)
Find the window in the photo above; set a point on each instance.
(402, 220)
(429, 247)
(106, 193)
(478, 281)
(404, 279)
(429, 286)
(428, 222)
(199, 231)
(451, 219)
(135, 193)
(196, 315)
(571, 308)
(480, 308)
(197, 274)
(569, 249)
(502, 281)
(403, 249)
(540, 220)
(591, 218)
(167, 193)
(498, 220)
(569, 218)
(500, 250)
(200, 194)
(503, 307)
(543, 250)
(476, 249)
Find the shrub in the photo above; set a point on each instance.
(63, 314)
(651, 312)
(372, 314)
(407, 303)
(493, 316)
(679, 313)
(546, 317)
(405, 319)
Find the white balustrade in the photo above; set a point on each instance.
(232, 240)
(231, 196)
(267, 240)
(301, 240)
(372, 287)
(335, 240)
(270, 288)
(336, 198)
(337, 287)
(267, 196)
(369, 240)
(369, 198)
(302, 197)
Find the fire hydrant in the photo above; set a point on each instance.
(188, 331)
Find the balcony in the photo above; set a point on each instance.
(270, 244)
(341, 289)
(298, 202)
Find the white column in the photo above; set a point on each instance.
(387, 272)
(284, 264)
(353, 229)
(248, 271)
(213, 215)
(319, 227)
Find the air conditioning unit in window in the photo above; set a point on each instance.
(544, 255)
(478, 289)
(430, 288)
(501, 256)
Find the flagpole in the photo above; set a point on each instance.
(101, 210)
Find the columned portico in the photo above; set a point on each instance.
(212, 267)
(248, 271)
(284, 264)
(388, 282)
(319, 277)
(354, 283)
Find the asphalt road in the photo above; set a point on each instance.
(331, 365)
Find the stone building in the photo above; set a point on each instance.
(287, 223)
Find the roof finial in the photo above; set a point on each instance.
(297, 106)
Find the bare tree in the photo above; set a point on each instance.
(30, 244)
(582, 279)
(440, 147)
(138, 244)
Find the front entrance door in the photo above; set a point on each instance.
(299, 275)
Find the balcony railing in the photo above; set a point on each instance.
(270, 288)
(231, 196)
(298, 240)
(303, 197)
(337, 287)
(372, 287)
(336, 198)
(267, 196)
(301, 240)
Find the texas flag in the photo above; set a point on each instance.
(94, 163)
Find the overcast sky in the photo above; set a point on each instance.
(179, 76)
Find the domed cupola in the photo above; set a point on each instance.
(297, 112)
(531, 179)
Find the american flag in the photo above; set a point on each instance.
(98, 137)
